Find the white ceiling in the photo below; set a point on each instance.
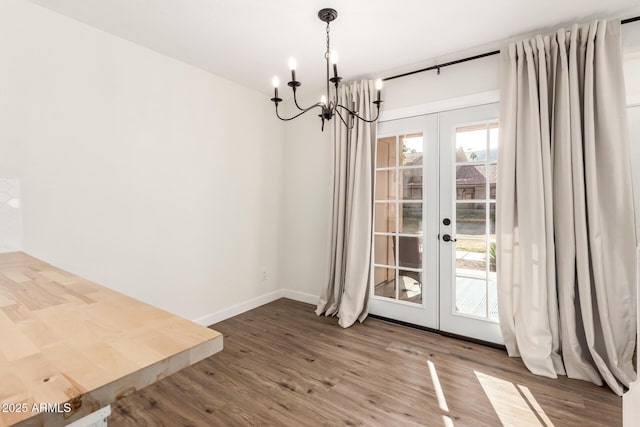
(248, 41)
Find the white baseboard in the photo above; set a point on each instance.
(242, 307)
(300, 296)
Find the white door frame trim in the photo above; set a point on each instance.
(441, 106)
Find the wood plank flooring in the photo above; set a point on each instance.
(282, 365)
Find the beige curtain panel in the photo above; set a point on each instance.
(565, 220)
(347, 292)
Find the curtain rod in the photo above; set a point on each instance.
(471, 58)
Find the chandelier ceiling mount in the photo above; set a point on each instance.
(327, 14)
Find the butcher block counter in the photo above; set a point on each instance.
(69, 347)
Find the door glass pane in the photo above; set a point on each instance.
(492, 221)
(385, 185)
(492, 259)
(384, 282)
(386, 152)
(410, 288)
(410, 252)
(493, 300)
(493, 181)
(412, 150)
(493, 142)
(384, 250)
(399, 174)
(411, 220)
(471, 143)
(471, 257)
(471, 296)
(385, 217)
(411, 184)
(476, 156)
(471, 220)
(471, 182)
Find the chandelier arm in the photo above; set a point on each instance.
(342, 119)
(285, 119)
(358, 116)
(295, 100)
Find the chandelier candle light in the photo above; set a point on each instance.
(328, 110)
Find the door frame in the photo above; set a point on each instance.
(477, 99)
(396, 310)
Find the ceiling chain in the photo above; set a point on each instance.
(328, 52)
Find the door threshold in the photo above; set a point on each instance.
(439, 332)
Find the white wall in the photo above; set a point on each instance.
(455, 81)
(308, 169)
(631, 48)
(10, 215)
(138, 171)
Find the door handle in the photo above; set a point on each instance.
(448, 238)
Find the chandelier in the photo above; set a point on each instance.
(332, 107)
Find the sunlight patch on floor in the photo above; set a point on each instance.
(524, 390)
(448, 422)
(442, 402)
(515, 406)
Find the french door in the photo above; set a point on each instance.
(434, 222)
(405, 247)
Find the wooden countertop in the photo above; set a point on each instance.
(64, 339)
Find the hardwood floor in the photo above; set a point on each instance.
(282, 365)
